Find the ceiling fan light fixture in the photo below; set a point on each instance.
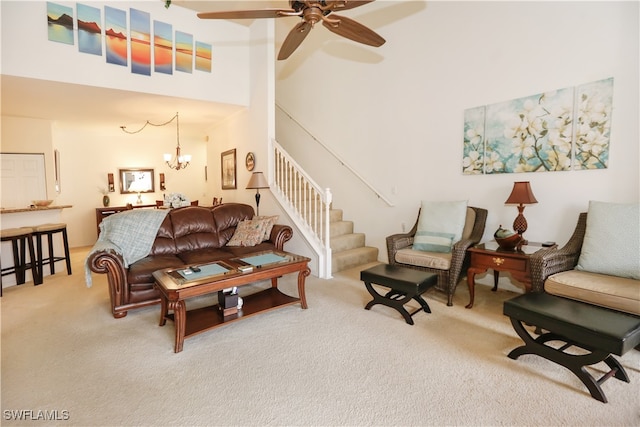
(311, 13)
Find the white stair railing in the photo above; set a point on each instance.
(333, 154)
(307, 204)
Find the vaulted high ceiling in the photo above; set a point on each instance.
(24, 97)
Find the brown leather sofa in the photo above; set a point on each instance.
(187, 235)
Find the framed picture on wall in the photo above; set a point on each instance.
(250, 161)
(228, 169)
(137, 180)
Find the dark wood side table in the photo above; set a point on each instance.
(489, 255)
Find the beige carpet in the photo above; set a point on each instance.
(334, 364)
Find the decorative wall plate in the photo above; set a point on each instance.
(250, 161)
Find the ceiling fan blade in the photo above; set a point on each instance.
(350, 4)
(347, 27)
(293, 40)
(247, 14)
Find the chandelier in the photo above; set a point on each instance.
(178, 162)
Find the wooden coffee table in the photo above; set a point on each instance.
(178, 285)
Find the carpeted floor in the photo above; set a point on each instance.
(64, 356)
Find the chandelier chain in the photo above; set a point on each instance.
(180, 161)
(124, 128)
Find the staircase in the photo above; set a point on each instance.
(310, 207)
(347, 248)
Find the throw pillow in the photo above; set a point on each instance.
(248, 233)
(612, 240)
(440, 225)
(269, 221)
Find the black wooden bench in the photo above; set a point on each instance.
(600, 331)
(405, 284)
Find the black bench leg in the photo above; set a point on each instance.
(422, 303)
(396, 302)
(616, 369)
(393, 294)
(575, 363)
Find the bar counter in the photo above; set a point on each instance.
(42, 208)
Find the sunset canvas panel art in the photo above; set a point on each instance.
(184, 52)
(140, 42)
(60, 23)
(89, 29)
(115, 35)
(203, 56)
(163, 47)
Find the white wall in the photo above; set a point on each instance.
(90, 152)
(395, 113)
(34, 134)
(27, 52)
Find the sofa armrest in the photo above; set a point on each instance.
(547, 262)
(459, 259)
(101, 255)
(107, 260)
(280, 234)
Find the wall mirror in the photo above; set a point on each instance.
(137, 180)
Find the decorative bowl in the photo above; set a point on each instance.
(42, 203)
(509, 243)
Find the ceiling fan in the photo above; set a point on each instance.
(311, 13)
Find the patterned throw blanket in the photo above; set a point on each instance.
(130, 234)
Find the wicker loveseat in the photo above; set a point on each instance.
(448, 266)
(557, 271)
(187, 235)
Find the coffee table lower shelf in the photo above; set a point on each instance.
(206, 318)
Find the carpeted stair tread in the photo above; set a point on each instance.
(339, 228)
(353, 257)
(347, 241)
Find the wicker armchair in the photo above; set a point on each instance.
(546, 262)
(447, 278)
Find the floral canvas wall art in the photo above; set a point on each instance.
(593, 125)
(552, 131)
(474, 149)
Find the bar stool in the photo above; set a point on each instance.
(49, 230)
(20, 239)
